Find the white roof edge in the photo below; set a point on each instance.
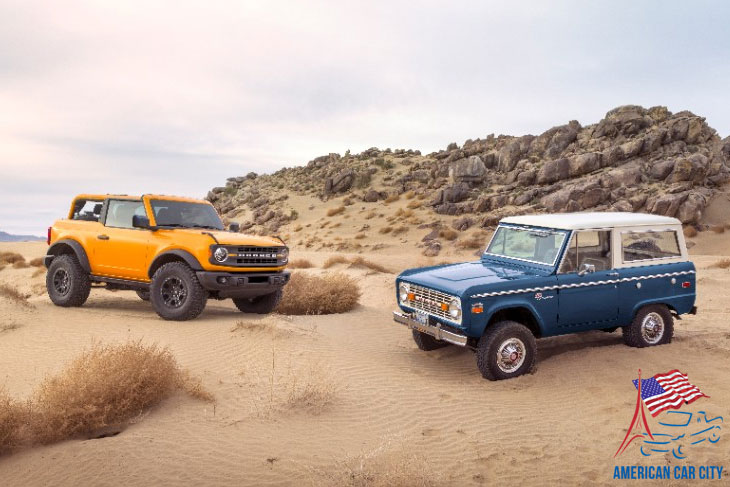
(578, 221)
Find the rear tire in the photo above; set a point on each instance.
(507, 349)
(261, 305)
(426, 342)
(67, 283)
(652, 325)
(176, 293)
(143, 295)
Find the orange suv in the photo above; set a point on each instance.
(172, 251)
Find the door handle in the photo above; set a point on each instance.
(103, 237)
(613, 274)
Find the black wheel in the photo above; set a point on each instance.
(426, 342)
(260, 304)
(506, 350)
(652, 325)
(143, 295)
(176, 293)
(67, 283)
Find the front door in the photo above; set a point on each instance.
(121, 250)
(587, 283)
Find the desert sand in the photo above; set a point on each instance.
(381, 408)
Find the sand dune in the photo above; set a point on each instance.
(390, 411)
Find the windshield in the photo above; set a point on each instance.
(531, 244)
(185, 214)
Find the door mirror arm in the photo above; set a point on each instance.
(139, 221)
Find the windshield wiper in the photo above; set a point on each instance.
(208, 227)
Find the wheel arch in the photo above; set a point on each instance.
(652, 302)
(177, 255)
(521, 314)
(68, 246)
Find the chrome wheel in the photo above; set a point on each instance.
(173, 292)
(652, 328)
(61, 282)
(510, 355)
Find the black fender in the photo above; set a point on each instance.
(68, 246)
(171, 256)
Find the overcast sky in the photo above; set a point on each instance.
(174, 97)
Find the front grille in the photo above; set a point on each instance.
(429, 301)
(256, 255)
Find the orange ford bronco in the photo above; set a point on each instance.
(172, 251)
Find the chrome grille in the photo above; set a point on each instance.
(429, 301)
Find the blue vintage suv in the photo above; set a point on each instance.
(553, 274)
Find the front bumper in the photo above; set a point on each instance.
(240, 285)
(434, 330)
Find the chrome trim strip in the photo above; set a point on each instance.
(434, 330)
(581, 284)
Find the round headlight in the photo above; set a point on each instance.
(220, 254)
(455, 308)
(403, 292)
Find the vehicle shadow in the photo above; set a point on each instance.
(114, 303)
(548, 348)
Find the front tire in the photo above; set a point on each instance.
(261, 305)
(176, 293)
(427, 342)
(508, 349)
(67, 283)
(652, 325)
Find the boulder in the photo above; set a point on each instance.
(455, 193)
(584, 163)
(667, 204)
(432, 249)
(659, 170)
(462, 223)
(690, 211)
(341, 182)
(554, 170)
(372, 196)
(508, 156)
(526, 177)
(525, 197)
(470, 170)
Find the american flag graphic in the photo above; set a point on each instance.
(668, 391)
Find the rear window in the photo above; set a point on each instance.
(87, 210)
(639, 246)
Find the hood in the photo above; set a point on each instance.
(229, 238)
(457, 278)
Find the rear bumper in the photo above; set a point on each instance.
(248, 285)
(434, 330)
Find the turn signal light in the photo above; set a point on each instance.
(411, 296)
(444, 307)
(686, 284)
(477, 308)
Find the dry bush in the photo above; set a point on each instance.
(392, 198)
(410, 195)
(11, 258)
(385, 230)
(400, 229)
(422, 196)
(298, 228)
(335, 225)
(12, 419)
(690, 232)
(721, 264)
(37, 262)
(106, 386)
(404, 213)
(334, 260)
(308, 294)
(13, 294)
(360, 262)
(300, 264)
(448, 234)
(414, 204)
(360, 236)
(312, 390)
(718, 228)
(20, 265)
(9, 327)
(39, 272)
(473, 242)
(370, 215)
(335, 211)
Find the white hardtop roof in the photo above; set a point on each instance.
(578, 221)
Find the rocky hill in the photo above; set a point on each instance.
(634, 159)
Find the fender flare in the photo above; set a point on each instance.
(178, 254)
(514, 305)
(78, 250)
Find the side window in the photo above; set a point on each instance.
(590, 247)
(638, 246)
(87, 210)
(120, 213)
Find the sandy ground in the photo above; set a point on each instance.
(393, 404)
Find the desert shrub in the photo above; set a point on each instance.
(335, 211)
(11, 258)
(448, 234)
(312, 390)
(12, 416)
(383, 164)
(721, 264)
(690, 232)
(13, 294)
(473, 242)
(308, 294)
(718, 228)
(400, 229)
(37, 262)
(392, 198)
(20, 265)
(360, 262)
(293, 215)
(334, 260)
(370, 215)
(414, 204)
(300, 264)
(360, 236)
(385, 230)
(410, 195)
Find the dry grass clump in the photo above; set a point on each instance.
(313, 391)
(300, 264)
(11, 258)
(367, 264)
(410, 195)
(12, 419)
(448, 234)
(392, 198)
(400, 229)
(721, 264)
(360, 236)
(39, 272)
(21, 265)
(9, 327)
(473, 242)
(414, 204)
(307, 294)
(690, 232)
(385, 230)
(335, 211)
(13, 294)
(334, 260)
(37, 262)
(718, 228)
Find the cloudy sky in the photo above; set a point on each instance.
(174, 97)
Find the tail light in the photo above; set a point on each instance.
(48, 239)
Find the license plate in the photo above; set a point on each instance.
(422, 318)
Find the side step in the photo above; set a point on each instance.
(121, 283)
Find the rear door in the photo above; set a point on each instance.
(121, 250)
(588, 300)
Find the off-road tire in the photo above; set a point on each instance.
(494, 338)
(74, 289)
(168, 284)
(633, 335)
(261, 305)
(426, 342)
(143, 295)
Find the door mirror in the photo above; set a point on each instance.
(586, 269)
(234, 227)
(139, 221)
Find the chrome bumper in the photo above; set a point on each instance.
(434, 330)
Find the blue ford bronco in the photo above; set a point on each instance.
(548, 275)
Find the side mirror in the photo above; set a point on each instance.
(139, 221)
(234, 227)
(586, 269)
